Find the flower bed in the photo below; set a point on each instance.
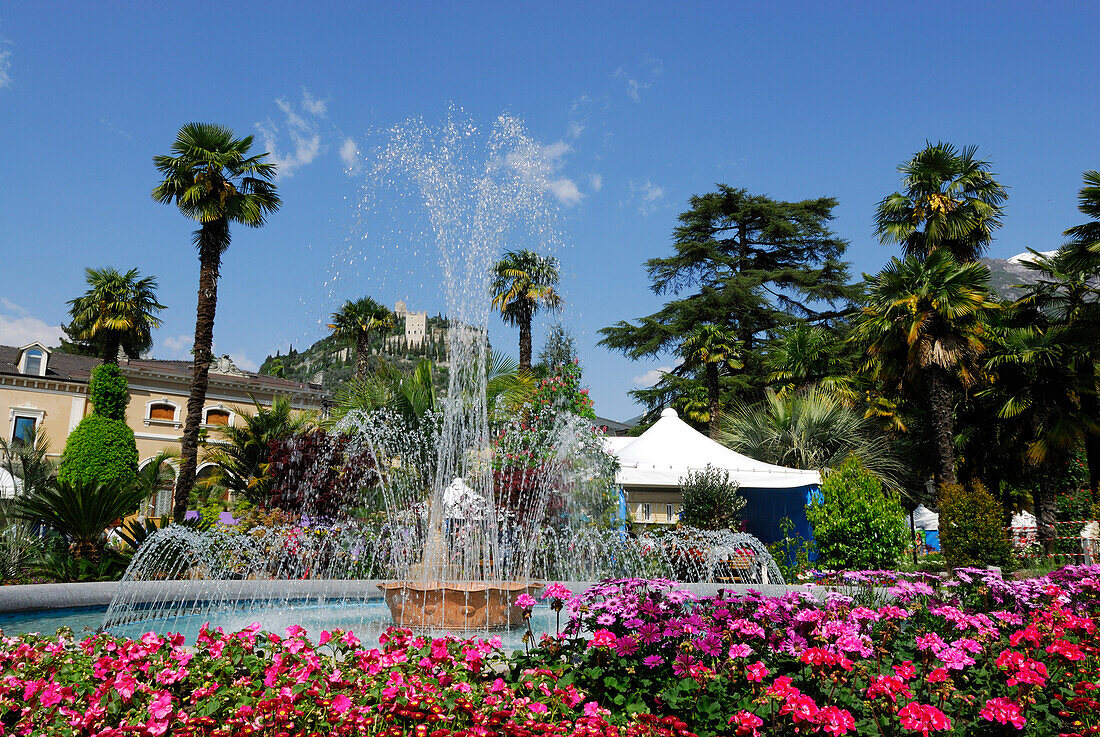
(972, 656)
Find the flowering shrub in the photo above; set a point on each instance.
(971, 656)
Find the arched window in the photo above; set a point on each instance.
(162, 412)
(159, 502)
(33, 361)
(217, 417)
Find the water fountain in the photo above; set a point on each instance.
(466, 527)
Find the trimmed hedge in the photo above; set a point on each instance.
(857, 523)
(101, 450)
(972, 526)
(108, 391)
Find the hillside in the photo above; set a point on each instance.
(330, 362)
(1007, 274)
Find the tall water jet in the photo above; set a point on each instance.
(479, 190)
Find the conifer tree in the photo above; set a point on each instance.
(747, 264)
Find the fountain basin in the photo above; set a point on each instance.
(457, 605)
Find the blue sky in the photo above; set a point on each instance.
(640, 105)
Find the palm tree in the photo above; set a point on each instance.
(949, 201)
(212, 178)
(355, 322)
(804, 356)
(809, 429)
(1082, 260)
(118, 310)
(523, 284)
(80, 510)
(923, 326)
(1036, 393)
(241, 458)
(712, 349)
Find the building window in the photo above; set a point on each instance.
(647, 512)
(23, 430)
(33, 360)
(670, 512)
(217, 417)
(162, 412)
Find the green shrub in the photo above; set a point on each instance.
(710, 500)
(100, 450)
(857, 523)
(972, 526)
(108, 391)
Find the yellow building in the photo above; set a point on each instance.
(47, 391)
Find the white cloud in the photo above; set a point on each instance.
(575, 129)
(18, 327)
(179, 346)
(555, 152)
(651, 377)
(301, 126)
(595, 181)
(647, 194)
(313, 105)
(349, 153)
(566, 191)
(244, 362)
(5, 64)
(641, 79)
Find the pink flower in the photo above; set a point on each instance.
(756, 672)
(1003, 711)
(161, 707)
(835, 721)
(538, 707)
(801, 707)
(525, 601)
(341, 703)
(125, 684)
(747, 723)
(557, 591)
(923, 718)
(602, 638)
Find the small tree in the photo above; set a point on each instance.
(971, 526)
(710, 500)
(857, 523)
(108, 391)
(101, 449)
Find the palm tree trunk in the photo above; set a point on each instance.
(713, 407)
(525, 342)
(943, 426)
(210, 239)
(110, 348)
(1090, 407)
(1046, 509)
(362, 355)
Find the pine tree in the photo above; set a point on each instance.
(749, 265)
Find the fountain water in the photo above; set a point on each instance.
(475, 512)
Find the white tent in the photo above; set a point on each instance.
(9, 485)
(925, 519)
(666, 452)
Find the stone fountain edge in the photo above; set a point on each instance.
(33, 597)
